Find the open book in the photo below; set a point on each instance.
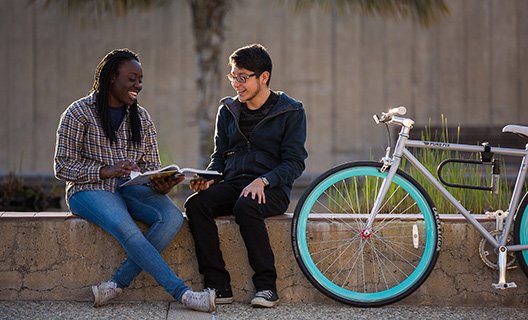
(171, 170)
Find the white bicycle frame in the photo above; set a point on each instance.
(401, 150)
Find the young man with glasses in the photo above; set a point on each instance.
(259, 148)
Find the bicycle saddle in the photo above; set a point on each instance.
(520, 130)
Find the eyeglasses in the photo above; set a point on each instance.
(240, 79)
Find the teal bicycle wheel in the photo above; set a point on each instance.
(520, 233)
(353, 267)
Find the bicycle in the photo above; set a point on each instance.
(367, 234)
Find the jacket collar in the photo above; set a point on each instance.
(285, 103)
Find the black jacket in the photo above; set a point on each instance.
(275, 148)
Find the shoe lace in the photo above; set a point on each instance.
(198, 300)
(266, 294)
(108, 290)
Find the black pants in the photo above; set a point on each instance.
(224, 199)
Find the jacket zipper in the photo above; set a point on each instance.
(268, 117)
(258, 124)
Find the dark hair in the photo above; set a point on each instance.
(108, 67)
(254, 58)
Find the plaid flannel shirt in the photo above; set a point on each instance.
(82, 147)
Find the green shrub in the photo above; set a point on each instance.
(15, 195)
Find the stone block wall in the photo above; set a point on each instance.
(61, 258)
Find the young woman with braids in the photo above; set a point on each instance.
(101, 138)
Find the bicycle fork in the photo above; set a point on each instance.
(380, 197)
(392, 165)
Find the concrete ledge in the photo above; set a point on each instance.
(57, 256)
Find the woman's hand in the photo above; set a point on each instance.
(164, 185)
(119, 169)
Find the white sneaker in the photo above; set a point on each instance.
(200, 301)
(104, 292)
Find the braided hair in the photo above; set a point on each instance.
(108, 67)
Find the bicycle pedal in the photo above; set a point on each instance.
(504, 285)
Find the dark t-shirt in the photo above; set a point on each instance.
(250, 118)
(117, 115)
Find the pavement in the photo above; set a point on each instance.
(68, 310)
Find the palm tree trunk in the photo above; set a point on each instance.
(208, 17)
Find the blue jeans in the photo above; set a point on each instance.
(115, 213)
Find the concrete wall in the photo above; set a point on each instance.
(60, 259)
(472, 68)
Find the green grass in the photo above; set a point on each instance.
(475, 201)
(352, 195)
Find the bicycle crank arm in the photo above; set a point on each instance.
(502, 271)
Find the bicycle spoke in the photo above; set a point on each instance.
(346, 261)
(381, 263)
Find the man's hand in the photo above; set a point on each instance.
(256, 189)
(164, 185)
(198, 184)
(119, 169)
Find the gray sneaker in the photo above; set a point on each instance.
(104, 292)
(200, 301)
(265, 299)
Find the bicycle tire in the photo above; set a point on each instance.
(520, 233)
(346, 266)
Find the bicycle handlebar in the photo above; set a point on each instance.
(387, 116)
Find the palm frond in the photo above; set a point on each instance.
(423, 12)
